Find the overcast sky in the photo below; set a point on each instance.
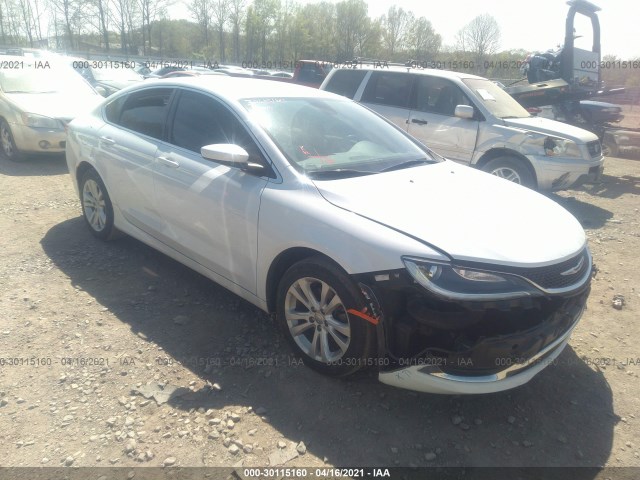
(532, 25)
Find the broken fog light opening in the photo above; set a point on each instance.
(460, 283)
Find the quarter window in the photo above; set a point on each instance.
(388, 88)
(143, 112)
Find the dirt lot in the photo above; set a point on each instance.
(88, 329)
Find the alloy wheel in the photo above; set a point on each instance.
(317, 320)
(94, 205)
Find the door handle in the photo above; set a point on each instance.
(418, 121)
(168, 162)
(107, 141)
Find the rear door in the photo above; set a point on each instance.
(210, 210)
(433, 122)
(128, 143)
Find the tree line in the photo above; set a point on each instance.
(260, 32)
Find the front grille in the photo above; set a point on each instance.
(595, 150)
(551, 276)
(559, 275)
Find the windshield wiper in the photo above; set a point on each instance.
(407, 164)
(335, 174)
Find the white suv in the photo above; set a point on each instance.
(471, 120)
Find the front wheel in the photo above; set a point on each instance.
(97, 209)
(314, 297)
(511, 169)
(9, 149)
(609, 147)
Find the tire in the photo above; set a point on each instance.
(349, 340)
(609, 147)
(97, 209)
(8, 146)
(512, 169)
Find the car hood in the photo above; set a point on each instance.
(55, 105)
(552, 128)
(468, 214)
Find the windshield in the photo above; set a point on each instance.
(119, 74)
(495, 99)
(58, 79)
(319, 136)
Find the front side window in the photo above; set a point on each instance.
(388, 88)
(201, 120)
(438, 95)
(144, 111)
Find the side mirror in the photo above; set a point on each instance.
(464, 111)
(230, 153)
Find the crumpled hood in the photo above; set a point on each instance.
(553, 128)
(468, 214)
(55, 105)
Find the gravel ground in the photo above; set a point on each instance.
(115, 355)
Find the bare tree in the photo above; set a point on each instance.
(103, 15)
(199, 10)
(27, 19)
(150, 10)
(236, 16)
(422, 41)
(220, 15)
(351, 16)
(481, 37)
(70, 12)
(394, 28)
(123, 15)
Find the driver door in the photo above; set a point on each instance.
(210, 210)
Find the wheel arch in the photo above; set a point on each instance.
(81, 169)
(505, 152)
(281, 264)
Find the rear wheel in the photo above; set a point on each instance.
(512, 169)
(9, 149)
(96, 206)
(314, 297)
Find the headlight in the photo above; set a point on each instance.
(39, 121)
(561, 147)
(460, 283)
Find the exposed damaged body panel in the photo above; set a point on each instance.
(475, 340)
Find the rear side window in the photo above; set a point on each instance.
(388, 88)
(345, 82)
(144, 112)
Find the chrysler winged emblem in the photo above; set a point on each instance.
(574, 270)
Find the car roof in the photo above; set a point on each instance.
(434, 72)
(236, 88)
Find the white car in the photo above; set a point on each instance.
(370, 250)
(38, 98)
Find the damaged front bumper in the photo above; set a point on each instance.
(431, 378)
(434, 345)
